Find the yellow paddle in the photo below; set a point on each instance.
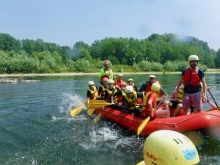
(93, 104)
(103, 103)
(144, 123)
(90, 111)
(77, 110)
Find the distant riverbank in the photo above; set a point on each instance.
(82, 74)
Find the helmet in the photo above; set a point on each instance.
(152, 76)
(155, 87)
(129, 89)
(110, 81)
(105, 79)
(193, 57)
(167, 147)
(106, 62)
(130, 79)
(120, 75)
(123, 83)
(91, 83)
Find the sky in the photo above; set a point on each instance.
(66, 22)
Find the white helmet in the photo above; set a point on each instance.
(91, 83)
(167, 147)
(155, 87)
(129, 89)
(110, 81)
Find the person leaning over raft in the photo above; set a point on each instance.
(149, 104)
(106, 71)
(92, 92)
(191, 78)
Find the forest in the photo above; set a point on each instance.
(167, 52)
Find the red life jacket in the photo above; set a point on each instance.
(191, 77)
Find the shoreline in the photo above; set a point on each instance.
(82, 74)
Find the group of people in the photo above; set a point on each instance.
(189, 94)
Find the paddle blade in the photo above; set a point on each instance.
(93, 104)
(142, 126)
(97, 118)
(90, 111)
(75, 111)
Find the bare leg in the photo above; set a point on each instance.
(163, 113)
(179, 106)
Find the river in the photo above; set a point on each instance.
(36, 128)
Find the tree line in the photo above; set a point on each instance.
(168, 52)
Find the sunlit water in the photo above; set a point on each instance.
(36, 128)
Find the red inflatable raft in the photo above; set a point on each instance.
(196, 121)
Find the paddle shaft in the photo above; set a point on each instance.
(213, 99)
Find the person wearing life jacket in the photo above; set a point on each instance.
(130, 101)
(118, 81)
(147, 85)
(92, 92)
(150, 102)
(176, 102)
(120, 93)
(110, 91)
(131, 83)
(191, 78)
(106, 71)
(103, 87)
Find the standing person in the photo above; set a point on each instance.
(149, 104)
(131, 83)
(106, 71)
(191, 78)
(92, 92)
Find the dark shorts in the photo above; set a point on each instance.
(174, 103)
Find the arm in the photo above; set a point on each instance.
(88, 94)
(177, 87)
(143, 87)
(101, 73)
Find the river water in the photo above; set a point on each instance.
(36, 128)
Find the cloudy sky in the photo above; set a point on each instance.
(65, 22)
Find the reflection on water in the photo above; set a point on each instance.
(36, 127)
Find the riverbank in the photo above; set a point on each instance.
(82, 74)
